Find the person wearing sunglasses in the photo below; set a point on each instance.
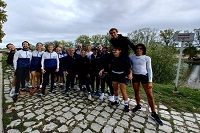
(142, 73)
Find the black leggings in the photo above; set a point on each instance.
(95, 77)
(84, 80)
(49, 70)
(108, 81)
(21, 74)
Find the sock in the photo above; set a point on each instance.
(13, 87)
(117, 98)
(125, 102)
(102, 94)
(54, 84)
(61, 83)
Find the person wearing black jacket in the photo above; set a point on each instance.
(70, 69)
(83, 73)
(117, 40)
(106, 78)
(94, 72)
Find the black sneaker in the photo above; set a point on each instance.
(66, 94)
(137, 107)
(15, 98)
(114, 103)
(156, 118)
(126, 108)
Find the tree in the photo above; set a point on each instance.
(145, 36)
(163, 62)
(83, 39)
(190, 50)
(3, 18)
(96, 39)
(167, 36)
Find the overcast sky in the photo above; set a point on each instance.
(49, 20)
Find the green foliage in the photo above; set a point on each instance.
(83, 39)
(163, 62)
(167, 36)
(3, 18)
(186, 100)
(190, 50)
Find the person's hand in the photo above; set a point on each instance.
(66, 73)
(149, 85)
(130, 76)
(100, 73)
(76, 76)
(43, 71)
(57, 70)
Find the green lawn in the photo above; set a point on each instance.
(187, 100)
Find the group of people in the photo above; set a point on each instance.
(93, 67)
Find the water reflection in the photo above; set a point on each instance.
(191, 76)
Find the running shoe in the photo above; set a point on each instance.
(15, 98)
(115, 103)
(66, 94)
(32, 91)
(126, 108)
(156, 118)
(137, 107)
(98, 93)
(102, 96)
(111, 98)
(89, 97)
(41, 95)
(12, 92)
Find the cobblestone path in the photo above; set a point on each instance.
(74, 114)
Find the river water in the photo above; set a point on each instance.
(191, 76)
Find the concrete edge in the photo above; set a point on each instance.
(1, 95)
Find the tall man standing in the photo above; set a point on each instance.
(117, 40)
(21, 61)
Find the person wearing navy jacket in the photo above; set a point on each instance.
(36, 66)
(21, 61)
(49, 65)
(70, 68)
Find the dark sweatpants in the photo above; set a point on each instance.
(49, 71)
(108, 81)
(21, 74)
(70, 78)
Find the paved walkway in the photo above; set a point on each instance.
(56, 113)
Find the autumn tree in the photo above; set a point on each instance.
(3, 18)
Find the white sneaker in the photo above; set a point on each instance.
(102, 96)
(89, 97)
(81, 93)
(111, 98)
(12, 92)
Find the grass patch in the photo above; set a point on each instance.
(186, 100)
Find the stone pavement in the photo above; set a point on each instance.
(74, 114)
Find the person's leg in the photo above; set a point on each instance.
(150, 97)
(125, 96)
(116, 97)
(38, 79)
(12, 91)
(33, 75)
(92, 76)
(45, 80)
(18, 80)
(72, 80)
(123, 91)
(25, 73)
(136, 87)
(52, 71)
(67, 82)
